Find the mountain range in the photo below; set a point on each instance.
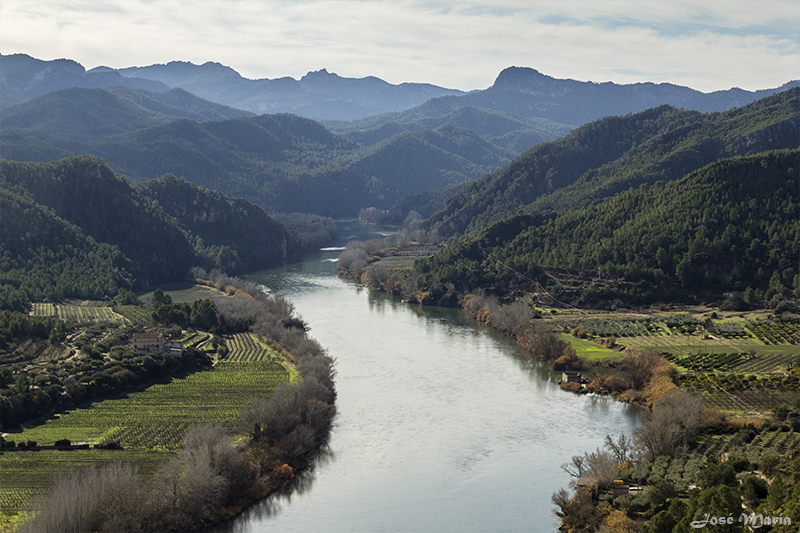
(663, 204)
(574, 167)
(285, 163)
(611, 155)
(326, 96)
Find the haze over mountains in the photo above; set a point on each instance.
(198, 121)
(455, 153)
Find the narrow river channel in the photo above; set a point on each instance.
(443, 425)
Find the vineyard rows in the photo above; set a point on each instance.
(194, 340)
(43, 309)
(246, 347)
(708, 361)
(157, 417)
(683, 470)
(137, 316)
(776, 333)
(684, 325)
(87, 314)
(28, 473)
(765, 364)
(749, 401)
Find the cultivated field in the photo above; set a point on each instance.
(87, 312)
(246, 347)
(148, 424)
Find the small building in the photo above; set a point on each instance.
(570, 377)
(155, 343)
(620, 487)
(173, 348)
(147, 342)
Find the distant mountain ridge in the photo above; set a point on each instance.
(23, 77)
(326, 96)
(285, 163)
(526, 92)
(613, 154)
(317, 95)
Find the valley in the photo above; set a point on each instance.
(514, 276)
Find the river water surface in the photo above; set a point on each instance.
(443, 425)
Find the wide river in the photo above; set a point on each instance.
(443, 425)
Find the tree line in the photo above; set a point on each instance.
(75, 229)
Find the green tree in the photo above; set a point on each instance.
(204, 315)
(776, 495)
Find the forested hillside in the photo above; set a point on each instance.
(732, 225)
(74, 228)
(506, 130)
(283, 163)
(613, 154)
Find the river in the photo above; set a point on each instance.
(443, 424)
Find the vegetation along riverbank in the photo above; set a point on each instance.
(165, 415)
(721, 387)
(679, 295)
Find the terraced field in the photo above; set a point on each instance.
(247, 347)
(44, 309)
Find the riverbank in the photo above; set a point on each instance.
(706, 351)
(213, 478)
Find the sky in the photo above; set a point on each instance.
(709, 45)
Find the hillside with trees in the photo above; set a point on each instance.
(74, 228)
(611, 155)
(730, 226)
(282, 162)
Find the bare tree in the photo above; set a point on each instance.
(641, 366)
(672, 426)
(622, 448)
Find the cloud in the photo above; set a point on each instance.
(708, 46)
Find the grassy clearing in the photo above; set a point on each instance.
(399, 262)
(589, 350)
(188, 293)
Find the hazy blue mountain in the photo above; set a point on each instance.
(285, 163)
(24, 77)
(318, 95)
(89, 114)
(528, 92)
(506, 130)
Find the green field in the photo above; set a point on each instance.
(589, 350)
(148, 424)
(136, 315)
(399, 262)
(28, 473)
(157, 417)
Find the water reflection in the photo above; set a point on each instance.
(443, 423)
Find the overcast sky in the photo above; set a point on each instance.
(707, 45)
